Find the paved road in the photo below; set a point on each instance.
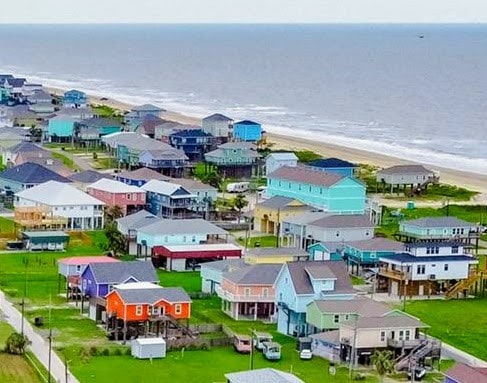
(39, 346)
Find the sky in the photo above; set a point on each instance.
(243, 11)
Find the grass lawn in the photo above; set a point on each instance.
(461, 323)
(263, 241)
(68, 162)
(14, 368)
(188, 280)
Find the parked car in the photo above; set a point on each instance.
(306, 354)
(260, 338)
(238, 187)
(243, 343)
(272, 350)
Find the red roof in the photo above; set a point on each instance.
(84, 260)
(462, 373)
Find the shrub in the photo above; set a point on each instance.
(117, 352)
(105, 352)
(16, 344)
(93, 351)
(128, 351)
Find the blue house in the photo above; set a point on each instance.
(334, 165)
(98, 279)
(326, 251)
(330, 192)
(193, 142)
(247, 131)
(168, 200)
(75, 99)
(61, 128)
(27, 175)
(300, 283)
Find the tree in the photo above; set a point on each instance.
(116, 240)
(113, 213)
(383, 362)
(16, 344)
(239, 202)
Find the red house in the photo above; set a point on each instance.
(114, 193)
(186, 257)
(133, 304)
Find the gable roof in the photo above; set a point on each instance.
(217, 117)
(238, 145)
(462, 373)
(377, 244)
(167, 153)
(191, 133)
(344, 221)
(386, 321)
(306, 175)
(409, 258)
(301, 281)
(149, 123)
(331, 163)
(85, 260)
(362, 306)
(305, 218)
(31, 173)
(247, 122)
(137, 220)
(166, 188)
(405, 169)
(87, 176)
(189, 184)
(433, 222)
(276, 251)
(183, 226)
(260, 274)
(141, 174)
(278, 202)
(54, 193)
(119, 272)
(27, 147)
(133, 293)
(267, 375)
(225, 264)
(283, 156)
(113, 186)
(100, 122)
(147, 108)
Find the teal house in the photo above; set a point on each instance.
(326, 251)
(234, 159)
(330, 192)
(438, 228)
(61, 128)
(247, 130)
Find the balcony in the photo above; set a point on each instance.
(392, 274)
(410, 343)
(244, 298)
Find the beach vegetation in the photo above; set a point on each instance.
(383, 362)
(306, 156)
(16, 344)
(106, 111)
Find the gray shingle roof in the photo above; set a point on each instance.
(377, 244)
(183, 226)
(462, 373)
(100, 122)
(30, 173)
(217, 117)
(434, 222)
(385, 322)
(152, 296)
(259, 274)
(137, 220)
(142, 174)
(362, 306)
(263, 375)
(119, 272)
(278, 251)
(87, 176)
(306, 175)
(147, 108)
(239, 145)
(317, 272)
(302, 282)
(225, 264)
(343, 221)
(278, 202)
(288, 156)
(405, 169)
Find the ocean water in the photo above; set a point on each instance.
(381, 88)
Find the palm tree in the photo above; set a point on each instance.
(113, 213)
(16, 344)
(116, 241)
(239, 202)
(383, 362)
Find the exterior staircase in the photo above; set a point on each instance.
(178, 325)
(425, 348)
(464, 284)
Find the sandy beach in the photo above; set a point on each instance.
(472, 181)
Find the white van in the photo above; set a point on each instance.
(238, 187)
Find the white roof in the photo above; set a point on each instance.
(143, 341)
(113, 186)
(283, 156)
(165, 188)
(204, 247)
(54, 193)
(137, 286)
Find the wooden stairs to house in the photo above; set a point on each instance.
(185, 330)
(419, 189)
(464, 285)
(427, 347)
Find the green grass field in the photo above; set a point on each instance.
(263, 241)
(461, 323)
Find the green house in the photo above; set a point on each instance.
(45, 240)
(326, 251)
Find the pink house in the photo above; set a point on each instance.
(114, 193)
(248, 293)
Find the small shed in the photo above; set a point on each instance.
(45, 240)
(148, 348)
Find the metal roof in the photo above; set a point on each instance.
(405, 169)
(182, 226)
(137, 220)
(121, 271)
(438, 222)
(166, 188)
(306, 175)
(409, 258)
(283, 156)
(267, 375)
(259, 274)
(203, 247)
(113, 186)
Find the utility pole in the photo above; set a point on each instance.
(23, 301)
(50, 343)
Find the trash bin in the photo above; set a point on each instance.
(38, 321)
(410, 205)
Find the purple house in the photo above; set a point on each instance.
(98, 279)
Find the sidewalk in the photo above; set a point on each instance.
(39, 346)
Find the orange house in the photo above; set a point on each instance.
(144, 301)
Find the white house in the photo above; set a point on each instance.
(275, 160)
(83, 212)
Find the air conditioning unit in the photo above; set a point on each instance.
(432, 277)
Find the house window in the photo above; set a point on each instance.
(78, 268)
(165, 239)
(408, 334)
(265, 292)
(129, 197)
(336, 318)
(184, 238)
(247, 292)
(337, 234)
(454, 249)
(178, 309)
(445, 267)
(428, 250)
(437, 250)
(373, 254)
(193, 238)
(401, 335)
(155, 310)
(421, 269)
(347, 317)
(462, 231)
(382, 336)
(138, 310)
(286, 280)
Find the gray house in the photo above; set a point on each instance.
(415, 176)
(218, 126)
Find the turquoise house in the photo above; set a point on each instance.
(75, 99)
(438, 228)
(61, 128)
(326, 251)
(247, 131)
(334, 165)
(330, 192)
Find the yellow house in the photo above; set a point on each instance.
(269, 213)
(274, 255)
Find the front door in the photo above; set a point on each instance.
(421, 290)
(394, 288)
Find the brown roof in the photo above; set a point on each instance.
(462, 373)
(302, 283)
(362, 306)
(306, 175)
(343, 221)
